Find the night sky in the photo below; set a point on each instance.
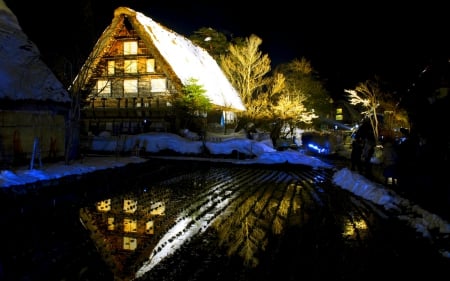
(345, 43)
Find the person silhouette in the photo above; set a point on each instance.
(356, 154)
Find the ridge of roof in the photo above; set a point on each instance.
(124, 10)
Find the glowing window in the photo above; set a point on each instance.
(149, 227)
(130, 66)
(103, 87)
(104, 206)
(130, 48)
(228, 117)
(158, 85)
(129, 206)
(158, 208)
(130, 86)
(111, 225)
(129, 225)
(150, 65)
(111, 67)
(129, 243)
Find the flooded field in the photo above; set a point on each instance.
(207, 221)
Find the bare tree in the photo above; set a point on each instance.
(79, 90)
(246, 68)
(367, 94)
(378, 102)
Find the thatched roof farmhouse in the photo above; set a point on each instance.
(135, 67)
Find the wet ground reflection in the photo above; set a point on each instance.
(246, 209)
(208, 222)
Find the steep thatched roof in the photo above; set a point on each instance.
(181, 58)
(23, 76)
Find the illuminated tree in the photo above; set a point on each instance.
(268, 102)
(367, 94)
(259, 107)
(378, 102)
(192, 102)
(246, 68)
(291, 111)
(303, 85)
(282, 109)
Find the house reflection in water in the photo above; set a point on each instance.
(123, 229)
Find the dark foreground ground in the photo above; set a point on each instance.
(426, 184)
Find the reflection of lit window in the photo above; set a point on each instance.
(111, 67)
(103, 87)
(130, 86)
(104, 206)
(129, 243)
(110, 223)
(130, 47)
(129, 206)
(158, 208)
(158, 85)
(129, 225)
(351, 228)
(361, 224)
(130, 66)
(149, 227)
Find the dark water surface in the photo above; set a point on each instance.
(209, 221)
